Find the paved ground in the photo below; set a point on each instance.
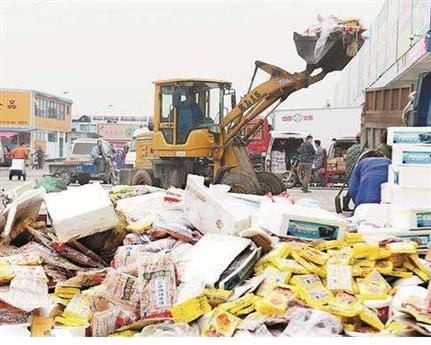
(325, 196)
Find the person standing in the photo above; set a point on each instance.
(352, 154)
(306, 159)
(319, 160)
(20, 152)
(40, 157)
(98, 157)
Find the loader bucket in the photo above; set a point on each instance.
(334, 55)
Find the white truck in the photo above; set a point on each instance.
(324, 124)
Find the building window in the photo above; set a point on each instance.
(52, 137)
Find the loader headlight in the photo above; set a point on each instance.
(214, 129)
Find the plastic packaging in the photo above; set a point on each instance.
(311, 323)
(157, 278)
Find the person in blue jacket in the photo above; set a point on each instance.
(369, 174)
(189, 116)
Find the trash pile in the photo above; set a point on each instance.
(142, 261)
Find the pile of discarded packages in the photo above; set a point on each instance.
(142, 261)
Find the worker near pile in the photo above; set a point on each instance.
(189, 116)
(319, 160)
(20, 152)
(98, 157)
(307, 156)
(384, 148)
(40, 157)
(369, 174)
(353, 153)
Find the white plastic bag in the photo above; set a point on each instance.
(311, 323)
(327, 26)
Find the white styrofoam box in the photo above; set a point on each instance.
(410, 176)
(372, 235)
(409, 135)
(411, 155)
(410, 218)
(375, 214)
(407, 197)
(284, 219)
(81, 211)
(213, 210)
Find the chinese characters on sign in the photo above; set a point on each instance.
(297, 118)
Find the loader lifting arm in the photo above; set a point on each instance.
(279, 86)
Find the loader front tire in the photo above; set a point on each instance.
(241, 183)
(270, 182)
(142, 177)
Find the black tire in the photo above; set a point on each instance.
(289, 179)
(83, 178)
(142, 177)
(66, 176)
(24, 176)
(270, 182)
(242, 183)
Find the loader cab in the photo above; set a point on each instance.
(184, 111)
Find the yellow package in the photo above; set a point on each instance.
(141, 225)
(381, 254)
(239, 304)
(403, 247)
(384, 266)
(66, 292)
(365, 263)
(289, 265)
(364, 250)
(370, 317)
(344, 304)
(353, 237)
(339, 277)
(358, 270)
(325, 245)
(414, 259)
(421, 274)
(70, 322)
(78, 309)
(272, 276)
(355, 289)
(190, 309)
(221, 324)
(7, 273)
(399, 272)
(397, 260)
(283, 251)
(41, 326)
(276, 301)
(376, 277)
(217, 296)
(312, 290)
(395, 327)
(309, 266)
(371, 289)
(341, 256)
(314, 255)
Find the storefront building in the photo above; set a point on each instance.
(37, 119)
(396, 51)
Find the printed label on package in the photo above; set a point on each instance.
(412, 138)
(396, 177)
(312, 230)
(417, 157)
(423, 220)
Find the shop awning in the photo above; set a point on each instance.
(7, 134)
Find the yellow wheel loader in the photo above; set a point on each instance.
(195, 133)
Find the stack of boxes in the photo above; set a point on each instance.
(407, 193)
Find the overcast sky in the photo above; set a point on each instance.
(110, 52)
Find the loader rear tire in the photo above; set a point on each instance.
(270, 182)
(242, 183)
(142, 177)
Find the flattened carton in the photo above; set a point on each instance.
(81, 211)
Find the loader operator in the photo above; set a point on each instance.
(189, 116)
